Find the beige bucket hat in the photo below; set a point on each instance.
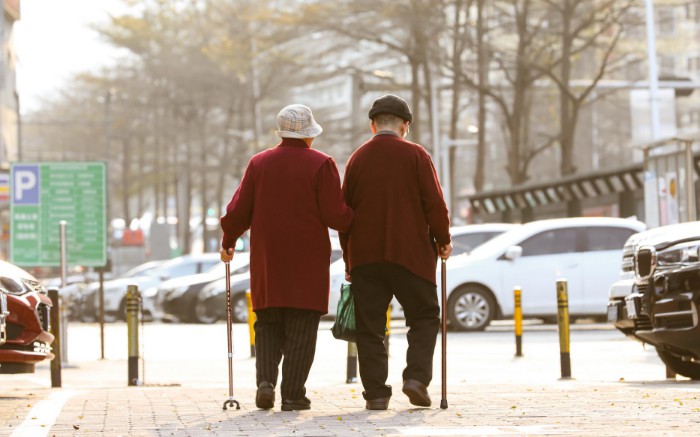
(297, 121)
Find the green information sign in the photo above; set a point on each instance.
(44, 194)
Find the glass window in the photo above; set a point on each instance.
(206, 265)
(179, 269)
(551, 242)
(606, 238)
(465, 243)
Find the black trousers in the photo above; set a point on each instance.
(373, 286)
(288, 332)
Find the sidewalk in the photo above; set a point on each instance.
(619, 390)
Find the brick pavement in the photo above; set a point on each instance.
(561, 408)
(619, 390)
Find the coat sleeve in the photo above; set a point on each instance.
(432, 199)
(343, 236)
(335, 213)
(239, 211)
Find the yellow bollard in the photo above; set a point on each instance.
(132, 329)
(518, 317)
(563, 320)
(387, 332)
(251, 323)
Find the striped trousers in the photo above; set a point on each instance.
(288, 332)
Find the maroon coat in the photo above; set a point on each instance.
(392, 187)
(289, 196)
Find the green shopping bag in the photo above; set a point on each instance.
(344, 326)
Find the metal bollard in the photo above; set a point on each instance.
(132, 329)
(55, 320)
(251, 323)
(563, 320)
(387, 333)
(351, 373)
(518, 317)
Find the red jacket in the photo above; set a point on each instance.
(392, 187)
(289, 196)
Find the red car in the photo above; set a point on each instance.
(28, 338)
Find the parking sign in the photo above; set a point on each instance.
(42, 195)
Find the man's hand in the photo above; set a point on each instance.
(445, 251)
(348, 277)
(226, 255)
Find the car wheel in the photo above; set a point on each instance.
(689, 369)
(470, 308)
(239, 308)
(202, 314)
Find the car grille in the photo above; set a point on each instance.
(646, 262)
(44, 318)
(628, 258)
(642, 323)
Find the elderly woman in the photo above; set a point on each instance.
(289, 196)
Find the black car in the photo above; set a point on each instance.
(662, 309)
(211, 301)
(178, 297)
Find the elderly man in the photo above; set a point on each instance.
(400, 224)
(289, 196)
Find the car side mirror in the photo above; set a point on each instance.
(513, 253)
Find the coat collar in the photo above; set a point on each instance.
(294, 142)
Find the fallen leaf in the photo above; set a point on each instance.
(76, 427)
(339, 418)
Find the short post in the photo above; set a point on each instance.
(102, 313)
(55, 320)
(387, 332)
(63, 241)
(251, 323)
(132, 329)
(518, 317)
(351, 373)
(563, 321)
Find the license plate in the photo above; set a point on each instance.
(631, 305)
(613, 312)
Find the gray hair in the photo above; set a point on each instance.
(387, 121)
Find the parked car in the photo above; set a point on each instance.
(28, 331)
(585, 251)
(210, 305)
(177, 298)
(662, 309)
(464, 240)
(145, 277)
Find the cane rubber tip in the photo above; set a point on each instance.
(443, 404)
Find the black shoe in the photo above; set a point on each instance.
(296, 405)
(265, 397)
(417, 392)
(377, 404)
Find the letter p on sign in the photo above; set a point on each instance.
(25, 184)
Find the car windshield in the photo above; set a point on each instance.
(496, 244)
(146, 269)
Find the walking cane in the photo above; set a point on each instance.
(230, 401)
(443, 329)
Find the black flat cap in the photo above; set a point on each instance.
(391, 104)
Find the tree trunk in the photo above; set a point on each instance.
(415, 101)
(483, 61)
(125, 182)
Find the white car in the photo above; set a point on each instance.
(587, 252)
(464, 240)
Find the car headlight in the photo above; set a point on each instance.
(680, 254)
